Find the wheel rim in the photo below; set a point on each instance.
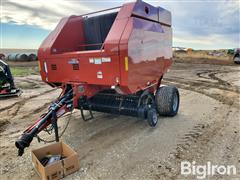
(175, 102)
(147, 100)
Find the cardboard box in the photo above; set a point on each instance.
(58, 169)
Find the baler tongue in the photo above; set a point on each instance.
(56, 110)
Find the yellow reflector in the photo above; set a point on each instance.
(126, 63)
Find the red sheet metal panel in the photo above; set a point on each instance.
(145, 10)
(164, 16)
(94, 68)
(149, 52)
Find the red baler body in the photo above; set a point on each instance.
(136, 52)
(110, 63)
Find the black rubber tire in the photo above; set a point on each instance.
(152, 117)
(166, 102)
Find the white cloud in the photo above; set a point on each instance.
(45, 14)
(205, 24)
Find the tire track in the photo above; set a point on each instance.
(212, 75)
(13, 110)
(225, 95)
(193, 146)
(199, 141)
(23, 101)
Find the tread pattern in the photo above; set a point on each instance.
(164, 100)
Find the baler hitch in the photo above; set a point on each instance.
(56, 110)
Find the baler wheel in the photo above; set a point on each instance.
(147, 100)
(167, 100)
(152, 117)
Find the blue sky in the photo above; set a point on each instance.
(200, 24)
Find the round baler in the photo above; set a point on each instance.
(108, 61)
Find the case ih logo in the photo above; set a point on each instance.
(73, 61)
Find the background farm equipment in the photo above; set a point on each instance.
(109, 61)
(7, 86)
(236, 56)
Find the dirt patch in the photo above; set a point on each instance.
(204, 79)
(3, 124)
(197, 146)
(26, 84)
(216, 57)
(204, 61)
